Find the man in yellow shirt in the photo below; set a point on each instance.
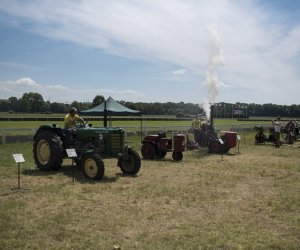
(71, 118)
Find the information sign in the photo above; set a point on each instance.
(18, 158)
(71, 152)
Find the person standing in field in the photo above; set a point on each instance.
(277, 128)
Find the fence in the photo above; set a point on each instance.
(15, 135)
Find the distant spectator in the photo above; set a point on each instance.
(277, 129)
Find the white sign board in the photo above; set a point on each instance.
(71, 152)
(18, 158)
(221, 141)
(238, 138)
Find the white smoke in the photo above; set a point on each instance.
(216, 60)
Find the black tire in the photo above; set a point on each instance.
(161, 154)
(224, 149)
(214, 147)
(92, 166)
(48, 151)
(177, 156)
(132, 165)
(148, 151)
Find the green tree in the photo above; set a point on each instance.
(33, 102)
(13, 103)
(98, 100)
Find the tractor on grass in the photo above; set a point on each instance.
(206, 136)
(92, 145)
(157, 146)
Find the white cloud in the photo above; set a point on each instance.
(179, 72)
(27, 82)
(57, 87)
(61, 93)
(260, 52)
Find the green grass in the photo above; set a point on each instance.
(249, 200)
(36, 124)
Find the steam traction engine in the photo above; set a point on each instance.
(157, 146)
(207, 137)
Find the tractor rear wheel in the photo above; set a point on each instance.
(148, 151)
(48, 151)
(92, 166)
(177, 156)
(214, 147)
(131, 165)
(161, 154)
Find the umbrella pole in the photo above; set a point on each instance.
(105, 116)
(141, 129)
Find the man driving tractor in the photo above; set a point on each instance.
(71, 118)
(69, 125)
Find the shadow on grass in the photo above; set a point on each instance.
(76, 173)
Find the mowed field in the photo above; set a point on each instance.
(246, 199)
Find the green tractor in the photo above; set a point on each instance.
(92, 145)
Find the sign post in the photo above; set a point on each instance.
(19, 159)
(238, 143)
(222, 143)
(71, 152)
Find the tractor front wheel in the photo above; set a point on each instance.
(148, 151)
(132, 164)
(177, 156)
(92, 166)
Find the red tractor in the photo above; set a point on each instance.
(157, 146)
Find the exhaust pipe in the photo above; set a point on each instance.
(211, 115)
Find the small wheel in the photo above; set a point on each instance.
(131, 165)
(285, 135)
(92, 166)
(148, 151)
(177, 156)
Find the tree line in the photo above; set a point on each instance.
(34, 103)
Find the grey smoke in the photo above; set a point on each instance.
(216, 60)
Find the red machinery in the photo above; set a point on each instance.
(228, 141)
(207, 137)
(157, 146)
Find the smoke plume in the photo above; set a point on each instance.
(216, 60)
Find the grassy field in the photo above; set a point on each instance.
(249, 200)
(36, 124)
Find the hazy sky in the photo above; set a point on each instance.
(151, 50)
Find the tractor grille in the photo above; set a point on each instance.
(116, 141)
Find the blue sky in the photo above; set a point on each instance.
(151, 50)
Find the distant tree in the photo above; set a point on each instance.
(80, 105)
(13, 103)
(33, 102)
(4, 105)
(56, 107)
(98, 100)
